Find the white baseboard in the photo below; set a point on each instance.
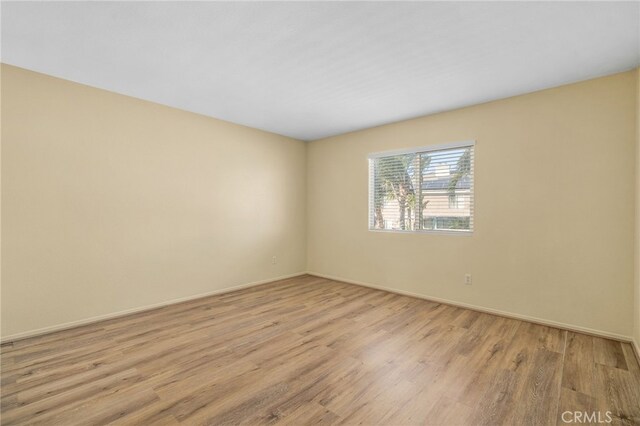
(91, 320)
(636, 349)
(564, 326)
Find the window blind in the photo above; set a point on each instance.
(424, 189)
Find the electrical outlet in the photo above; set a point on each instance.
(274, 260)
(467, 279)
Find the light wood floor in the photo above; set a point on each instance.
(308, 350)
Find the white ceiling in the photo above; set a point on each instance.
(311, 70)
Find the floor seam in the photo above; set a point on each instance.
(564, 354)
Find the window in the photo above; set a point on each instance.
(422, 189)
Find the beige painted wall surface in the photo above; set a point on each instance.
(636, 312)
(111, 203)
(554, 177)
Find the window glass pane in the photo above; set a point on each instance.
(395, 197)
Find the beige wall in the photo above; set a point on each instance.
(554, 179)
(111, 203)
(636, 312)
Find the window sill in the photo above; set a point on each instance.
(466, 233)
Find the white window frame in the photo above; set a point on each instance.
(422, 149)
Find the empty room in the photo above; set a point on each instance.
(357, 213)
